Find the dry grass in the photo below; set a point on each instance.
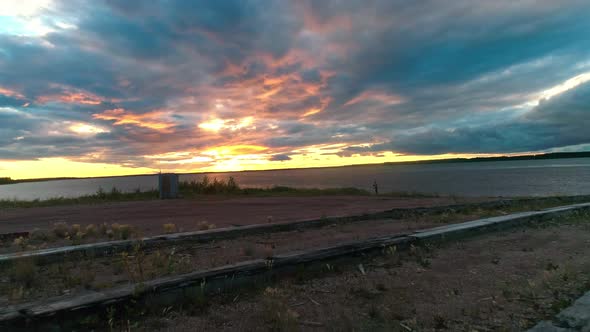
(61, 230)
(169, 228)
(91, 230)
(498, 282)
(24, 272)
(75, 233)
(204, 225)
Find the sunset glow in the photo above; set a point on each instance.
(82, 128)
(115, 87)
(122, 117)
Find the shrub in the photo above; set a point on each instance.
(100, 193)
(38, 235)
(102, 229)
(116, 228)
(125, 231)
(24, 272)
(169, 228)
(77, 238)
(204, 225)
(60, 229)
(232, 185)
(206, 186)
(91, 230)
(20, 242)
(276, 313)
(75, 229)
(115, 193)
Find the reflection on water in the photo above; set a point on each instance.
(501, 178)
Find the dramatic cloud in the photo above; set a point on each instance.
(279, 157)
(238, 84)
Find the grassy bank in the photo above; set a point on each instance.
(101, 196)
(194, 189)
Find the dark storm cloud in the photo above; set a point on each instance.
(561, 121)
(409, 77)
(279, 157)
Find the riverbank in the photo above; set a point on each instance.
(198, 189)
(515, 178)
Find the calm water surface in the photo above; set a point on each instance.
(502, 178)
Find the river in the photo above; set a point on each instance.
(497, 178)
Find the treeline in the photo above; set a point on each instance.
(555, 155)
(8, 180)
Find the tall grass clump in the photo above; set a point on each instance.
(207, 187)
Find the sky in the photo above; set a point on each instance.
(113, 87)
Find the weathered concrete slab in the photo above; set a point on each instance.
(213, 280)
(450, 231)
(576, 316)
(573, 318)
(546, 326)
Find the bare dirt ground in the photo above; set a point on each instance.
(149, 216)
(77, 276)
(505, 281)
(27, 281)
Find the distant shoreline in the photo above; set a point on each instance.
(543, 156)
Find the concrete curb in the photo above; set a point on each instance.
(170, 290)
(453, 230)
(573, 318)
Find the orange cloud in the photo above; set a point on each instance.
(312, 111)
(383, 98)
(151, 120)
(10, 93)
(234, 150)
(268, 94)
(71, 98)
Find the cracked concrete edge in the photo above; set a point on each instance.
(573, 318)
(576, 316)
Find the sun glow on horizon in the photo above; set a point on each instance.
(63, 167)
(220, 159)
